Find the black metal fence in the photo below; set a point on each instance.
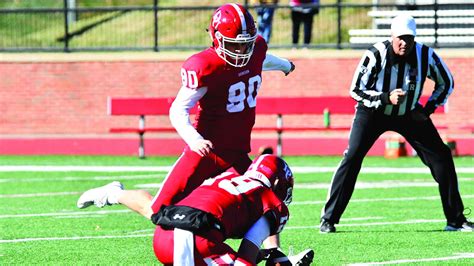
(157, 28)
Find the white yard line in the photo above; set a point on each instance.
(368, 224)
(379, 200)
(369, 185)
(359, 185)
(79, 178)
(296, 169)
(456, 256)
(103, 212)
(152, 185)
(150, 230)
(302, 186)
(34, 195)
(61, 214)
(343, 219)
(75, 168)
(377, 170)
(79, 216)
(362, 218)
(4, 241)
(69, 238)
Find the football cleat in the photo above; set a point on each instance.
(98, 196)
(303, 258)
(464, 227)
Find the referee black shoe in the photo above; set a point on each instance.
(464, 227)
(326, 227)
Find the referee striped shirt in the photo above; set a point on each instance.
(380, 72)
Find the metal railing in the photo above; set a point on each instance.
(160, 28)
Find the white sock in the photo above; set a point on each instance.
(114, 195)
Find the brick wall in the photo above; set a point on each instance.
(70, 97)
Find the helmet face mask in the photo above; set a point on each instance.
(233, 33)
(284, 191)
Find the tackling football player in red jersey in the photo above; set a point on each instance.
(192, 232)
(223, 81)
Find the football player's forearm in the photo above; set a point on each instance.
(276, 63)
(181, 122)
(179, 113)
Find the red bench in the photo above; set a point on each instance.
(140, 107)
(265, 106)
(327, 105)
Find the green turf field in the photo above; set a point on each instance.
(395, 216)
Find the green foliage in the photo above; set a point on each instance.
(31, 4)
(177, 27)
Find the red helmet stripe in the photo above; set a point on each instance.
(242, 18)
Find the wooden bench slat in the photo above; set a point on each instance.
(468, 127)
(140, 106)
(301, 128)
(305, 105)
(138, 130)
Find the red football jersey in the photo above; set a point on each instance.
(237, 202)
(226, 113)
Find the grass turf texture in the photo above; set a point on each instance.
(380, 224)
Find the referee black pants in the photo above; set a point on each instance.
(367, 127)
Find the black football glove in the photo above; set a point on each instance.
(291, 69)
(273, 257)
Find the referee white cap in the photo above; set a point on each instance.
(403, 25)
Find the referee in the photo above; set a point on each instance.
(387, 85)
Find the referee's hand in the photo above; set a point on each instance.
(397, 96)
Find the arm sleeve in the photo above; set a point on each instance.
(363, 83)
(179, 113)
(272, 62)
(258, 232)
(444, 82)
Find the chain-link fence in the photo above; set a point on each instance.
(73, 25)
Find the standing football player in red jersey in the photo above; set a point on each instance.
(223, 81)
(250, 207)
